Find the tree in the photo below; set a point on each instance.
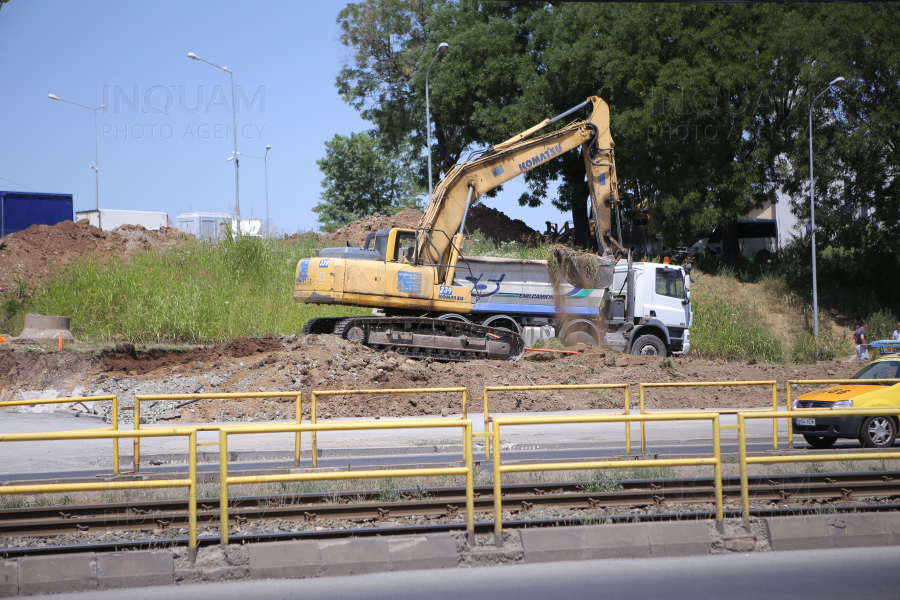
(362, 177)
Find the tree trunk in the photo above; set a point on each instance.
(576, 193)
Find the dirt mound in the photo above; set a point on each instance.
(249, 346)
(497, 226)
(36, 252)
(356, 232)
(126, 358)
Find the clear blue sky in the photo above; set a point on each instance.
(157, 150)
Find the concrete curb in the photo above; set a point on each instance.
(323, 558)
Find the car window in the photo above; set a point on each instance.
(669, 282)
(887, 369)
(406, 247)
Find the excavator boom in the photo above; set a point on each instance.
(441, 226)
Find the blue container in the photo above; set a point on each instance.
(21, 210)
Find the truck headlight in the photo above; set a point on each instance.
(843, 404)
(795, 404)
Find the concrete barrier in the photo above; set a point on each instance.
(42, 329)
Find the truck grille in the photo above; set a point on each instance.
(814, 404)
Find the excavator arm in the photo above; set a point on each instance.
(440, 232)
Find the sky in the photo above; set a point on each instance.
(165, 135)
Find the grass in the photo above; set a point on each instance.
(197, 293)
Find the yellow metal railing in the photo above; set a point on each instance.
(210, 427)
(794, 458)
(772, 383)
(465, 424)
(82, 399)
(386, 392)
(499, 468)
(488, 436)
(45, 488)
(791, 382)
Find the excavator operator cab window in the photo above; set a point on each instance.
(405, 247)
(381, 243)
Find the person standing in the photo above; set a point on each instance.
(896, 334)
(859, 336)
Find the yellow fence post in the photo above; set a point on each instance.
(223, 486)
(115, 426)
(136, 459)
(717, 474)
(627, 424)
(789, 408)
(299, 411)
(312, 419)
(745, 488)
(470, 484)
(775, 419)
(643, 439)
(498, 501)
(192, 494)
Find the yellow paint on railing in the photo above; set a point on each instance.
(772, 383)
(715, 461)
(45, 488)
(210, 427)
(387, 392)
(488, 436)
(790, 382)
(467, 470)
(75, 400)
(794, 458)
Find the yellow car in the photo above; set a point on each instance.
(877, 431)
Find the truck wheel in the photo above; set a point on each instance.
(580, 338)
(819, 441)
(648, 345)
(878, 432)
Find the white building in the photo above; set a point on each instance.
(108, 219)
(213, 226)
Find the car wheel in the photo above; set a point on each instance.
(648, 345)
(819, 441)
(878, 432)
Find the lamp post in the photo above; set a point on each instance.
(812, 214)
(237, 198)
(443, 47)
(96, 165)
(266, 168)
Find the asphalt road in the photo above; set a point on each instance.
(858, 573)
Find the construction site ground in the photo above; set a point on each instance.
(325, 362)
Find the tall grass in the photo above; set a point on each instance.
(727, 327)
(197, 292)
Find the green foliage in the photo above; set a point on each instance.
(725, 327)
(881, 325)
(477, 244)
(196, 292)
(362, 177)
(553, 343)
(13, 304)
(831, 346)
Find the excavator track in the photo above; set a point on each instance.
(421, 337)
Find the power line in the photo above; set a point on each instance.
(19, 184)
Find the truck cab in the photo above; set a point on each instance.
(649, 309)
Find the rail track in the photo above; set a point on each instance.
(369, 506)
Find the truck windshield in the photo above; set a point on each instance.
(885, 369)
(670, 282)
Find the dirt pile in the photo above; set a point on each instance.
(35, 253)
(356, 232)
(498, 227)
(325, 362)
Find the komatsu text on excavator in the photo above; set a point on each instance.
(433, 301)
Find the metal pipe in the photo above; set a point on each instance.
(192, 494)
(498, 501)
(223, 486)
(569, 112)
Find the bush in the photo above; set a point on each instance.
(881, 325)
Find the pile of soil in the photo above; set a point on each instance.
(356, 232)
(496, 226)
(36, 252)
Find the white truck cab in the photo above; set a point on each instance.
(649, 309)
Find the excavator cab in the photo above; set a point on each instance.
(393, 245)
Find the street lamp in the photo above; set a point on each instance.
(812, 213)
(443, 47)
(96, 165)
(266, 167)
(237, 198)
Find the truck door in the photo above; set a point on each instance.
(667, 297)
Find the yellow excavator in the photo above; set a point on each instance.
(409, 275)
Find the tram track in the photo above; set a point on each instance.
(371, 506)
